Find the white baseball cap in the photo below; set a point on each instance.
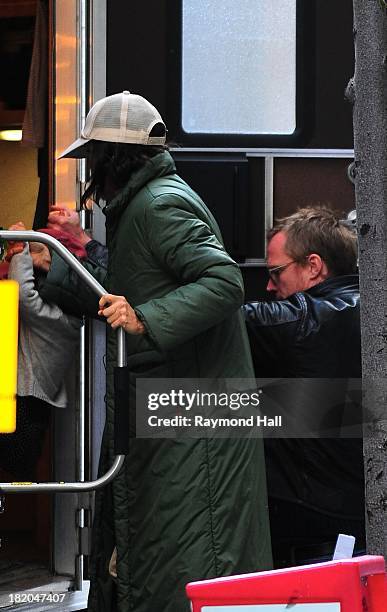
(122, 117)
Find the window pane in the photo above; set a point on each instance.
(239, 67)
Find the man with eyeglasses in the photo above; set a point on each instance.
(311, 331)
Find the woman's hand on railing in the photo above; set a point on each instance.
(41, 256)
(119, 313)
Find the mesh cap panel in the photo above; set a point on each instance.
(122, 117)
(108, 115)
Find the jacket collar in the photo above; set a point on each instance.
(159, 165)
(335, 284)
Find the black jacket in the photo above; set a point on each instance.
(97, 253)
(313, 334)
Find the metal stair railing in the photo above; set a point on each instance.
(121, 433)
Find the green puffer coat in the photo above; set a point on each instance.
(180, 510)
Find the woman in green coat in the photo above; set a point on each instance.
(181, 509)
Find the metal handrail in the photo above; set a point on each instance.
(72, 261)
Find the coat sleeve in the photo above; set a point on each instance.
(32, 308)
(64, 287)
(272, 328)
(209, 283)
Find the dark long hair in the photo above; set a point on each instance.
(112, 164)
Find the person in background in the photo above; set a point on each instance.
(47, 341)
(181, 509)
(65, 220)
(311, 331)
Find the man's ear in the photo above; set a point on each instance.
(317, 266)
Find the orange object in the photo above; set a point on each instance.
(13, 248)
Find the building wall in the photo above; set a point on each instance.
(19, 184)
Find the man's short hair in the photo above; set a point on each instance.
(318, 229)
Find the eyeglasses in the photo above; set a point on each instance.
(276, 271)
